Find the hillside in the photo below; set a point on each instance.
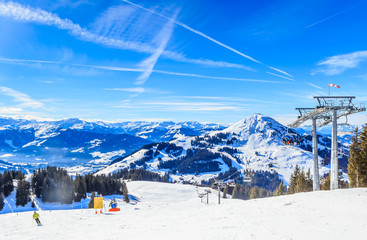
(196, 151)
(173, 211)
(81, 146)
(254, 143)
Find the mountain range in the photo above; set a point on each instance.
(256, 143)
(188, 151)
(82, 146)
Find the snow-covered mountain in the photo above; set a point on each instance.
(255, 143)
(87, 151)
(81, 146)
(152, 131)
(191, 149)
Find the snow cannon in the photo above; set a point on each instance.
(114, 207)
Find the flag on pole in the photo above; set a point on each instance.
(333, 85)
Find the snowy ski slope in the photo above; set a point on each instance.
(173, 211)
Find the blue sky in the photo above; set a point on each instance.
(208, 60)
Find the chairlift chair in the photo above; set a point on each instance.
(247, 179)
(291, 138)
(231, 183)
(343, 131)
(247, 175)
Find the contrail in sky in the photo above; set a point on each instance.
(280, 76)
(332, 16)
(193, 30)
(149, 63)
(203, 35)
(138, 70)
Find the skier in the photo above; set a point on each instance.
(36, 217)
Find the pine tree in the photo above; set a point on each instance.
(293, 180)
(269, 194)
(236, 192)
(126, 193)
(91, 202)
(1, 201)
(225, 191)
(1, 184)
(363, 158)
(80, 188)
(247, 191)
(325, 182)
(7, 180)
(22, 195)
(309, 181)
(254, 193)
(280, 190)
(262, 193)
(300, 182)
(354, 171)
(242, 193)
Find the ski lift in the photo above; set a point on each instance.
(247, 179)
(291, 138)
(322, 162)
(247, 175)
(344, 131)
(342, 153)
(231, 183)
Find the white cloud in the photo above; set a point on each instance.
(22, 13)
(131, 90)
(181, 106)
(48, 82)
(339, 63)
(24, 100)
(229, 99)
(10, 110)
(139, 90)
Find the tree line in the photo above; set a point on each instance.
(140, 174)
(53, 184)
(7, 186)
(247, 192)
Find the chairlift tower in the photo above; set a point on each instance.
(220, 184)
(328, 110)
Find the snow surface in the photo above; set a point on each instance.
(173, 211)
